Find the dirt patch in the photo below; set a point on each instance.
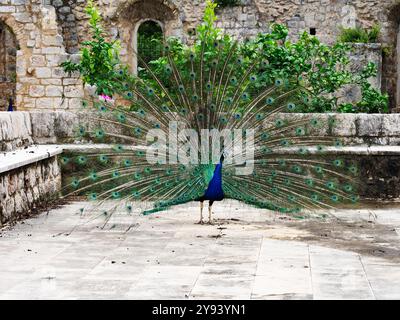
(367, 238)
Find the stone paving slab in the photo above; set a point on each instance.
(248, 254)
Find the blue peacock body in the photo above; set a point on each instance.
(207, 128)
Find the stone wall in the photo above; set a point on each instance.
(25, 189)
(40, 81)
(20, 129)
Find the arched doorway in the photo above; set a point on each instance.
(148, 42)
(8, 59)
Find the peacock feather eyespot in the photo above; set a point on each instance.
(274, 173)
(116, 174)
(118, 148)
(285, 143)
(265, 136)
(275, 190)
(297, 169)
(315, 197)
(245, 96)
(338, 143)
(116, 195)
(136, 194)
(335, 198)
(213, 107)
(282, 163)
(338, 163)
(193, 75)
(310, 182)
(75, 183)
(303, 151)
(229, 101)
(157, 126)
(184, 111)
(195, 97)
(99, 133)
(239, 60)
(353, 169)
(181, 88)
(291, 198)
(266, 150)
(81, 160)
(81, 131)
(164, 108)
(214, 63)
(93, 196)
(300, 131)
(127, 163)
(103, 158)
(129, 94)
(278, 82)
(259, 116)
(270, 101)
(319, 169)
(64, 160)
(320, 148)
(233, 80)
(306, 100)
(223, 120)
(354, 199)
(253, 78)
(93, 176)
(137, 176)
(279, 123)
(192, 56)
(129, 208)
(168, 69)
(237, 116)
(314, 122)
(348, 188)
(140, 153)
(291, 106)
(265, 63)
(331, 185)
(147, 170)
(150, 91)
(84, 104)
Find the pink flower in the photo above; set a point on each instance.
(105, 97)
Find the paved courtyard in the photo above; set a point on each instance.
(247, 254)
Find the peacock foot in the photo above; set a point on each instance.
(200, 222)
(210, 222)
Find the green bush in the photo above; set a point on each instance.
(360, 35)
(320, 70)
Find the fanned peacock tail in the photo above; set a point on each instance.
(290, 170)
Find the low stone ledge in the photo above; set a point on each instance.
(17, 159)
(27, 181)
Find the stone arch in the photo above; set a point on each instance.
(9, 46)
(132, 14)
(135, 38)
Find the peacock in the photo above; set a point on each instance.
(204, 125)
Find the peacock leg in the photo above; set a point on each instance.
(201, 212)
(210, 219)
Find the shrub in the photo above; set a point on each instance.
(360, 35)
(320, 70)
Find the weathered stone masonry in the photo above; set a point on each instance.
(23, 189)
(46, 32)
